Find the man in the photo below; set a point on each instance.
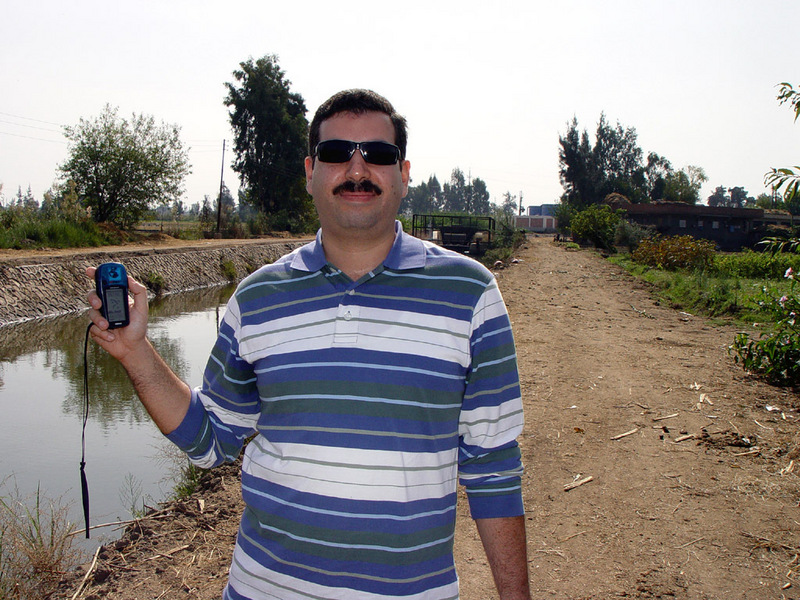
(373, 370)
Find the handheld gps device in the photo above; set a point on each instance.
(111, 284)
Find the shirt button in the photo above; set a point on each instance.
(348, 315)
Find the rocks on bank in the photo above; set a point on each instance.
(56, 285)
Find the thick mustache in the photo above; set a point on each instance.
(357, 187)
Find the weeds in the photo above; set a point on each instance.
(692, 277)
(21, 231)
(155, 282)
(775, 355)
(228, 269)
(36, 547)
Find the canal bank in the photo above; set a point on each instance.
(47, 284)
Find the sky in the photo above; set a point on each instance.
(486, 87)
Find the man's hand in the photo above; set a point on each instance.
(162, 393)
(124, 342)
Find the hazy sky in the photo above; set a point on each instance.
(486, 86)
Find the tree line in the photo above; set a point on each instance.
(614, 163)
(120, 168)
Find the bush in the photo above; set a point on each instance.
(775, 355)
(677, 252)
(630, 235)
(596, 224)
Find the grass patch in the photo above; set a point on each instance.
(711, 293)
(21, 232)
(36, 547)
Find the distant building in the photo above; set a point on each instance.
(536, 224)
(547, 210)
(731, 229)
(540, 219)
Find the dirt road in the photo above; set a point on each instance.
(685, 470)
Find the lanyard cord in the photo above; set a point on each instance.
(84, 483)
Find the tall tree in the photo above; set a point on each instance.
(618, 161)
(270, 132)
(614, 164)
(656, 171)
(684, 185)
(481, 204)
(739, 197)
(719, 197)
(456, 193)
(123, 167)
(577, 171)
(424, 198)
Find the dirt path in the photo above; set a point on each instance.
(698, 501)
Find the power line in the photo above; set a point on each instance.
(28, 137)
(30, 119)
(28, 126)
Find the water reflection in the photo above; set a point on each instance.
(41, 395)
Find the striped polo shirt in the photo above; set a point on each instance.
(366, 403)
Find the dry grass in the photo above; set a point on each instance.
(36, 547)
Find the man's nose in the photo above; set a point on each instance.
(357, 167)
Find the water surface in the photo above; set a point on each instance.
(128, 462)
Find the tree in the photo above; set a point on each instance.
(506, 212)
(614, 164)
(739, 197)
(618, 161)
(576, 167)
(424, 198)
(456, 193)
(270, 132)
(719, 197)
(656, 172)
(62, 202)
(122, 167)
(684, 185)
(481, 204)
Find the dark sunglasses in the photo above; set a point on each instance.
(341, 151)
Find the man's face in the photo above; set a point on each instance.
(356, 198)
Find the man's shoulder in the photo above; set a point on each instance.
(442, 260)
(280, 271)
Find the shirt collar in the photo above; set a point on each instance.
(407, 252)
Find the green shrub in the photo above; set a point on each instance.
(596, 224)
(775, 355)
(228, 269)
(630, 235)
(155, 282)
(676, 252)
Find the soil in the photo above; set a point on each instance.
(655, 467)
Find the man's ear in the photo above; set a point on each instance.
(309, 164)
(405, 174)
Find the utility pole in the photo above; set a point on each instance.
(221, 185)
(520, 202)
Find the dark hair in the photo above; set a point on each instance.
(358, 101)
